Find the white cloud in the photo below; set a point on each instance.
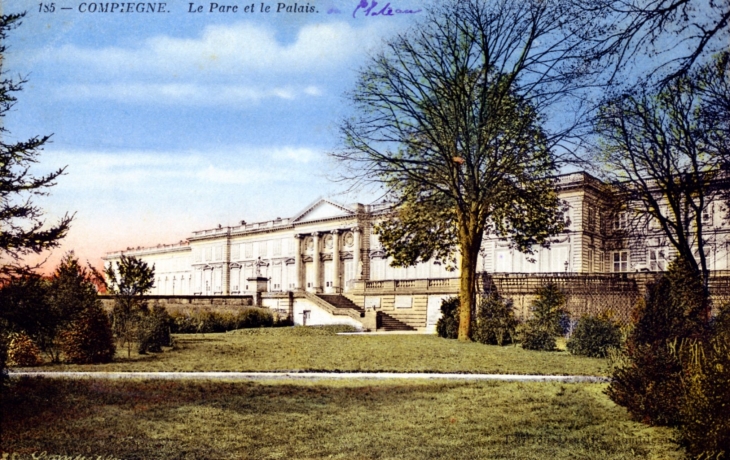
(89, 171)
(300, 155)
(182, 94)
(228, 50)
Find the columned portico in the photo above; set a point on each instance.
(336, 261)
(298, 262)
(317, 262)
(356, 252)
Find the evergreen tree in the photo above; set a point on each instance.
(549, 319)
(650, 385)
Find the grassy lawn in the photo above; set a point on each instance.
(317, 349)
(134, 419)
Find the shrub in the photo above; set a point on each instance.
(537, 339)
(495, 321)
(254, 317)
(549, 319)
(705, 410)
(4, 343)
(154, 331)
(88, 339)
(211, 321)
(22, 351)
(650, 385)
(593, 336)
(448, 325)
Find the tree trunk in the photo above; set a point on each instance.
(467, 286)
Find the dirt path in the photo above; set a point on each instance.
(310, 376)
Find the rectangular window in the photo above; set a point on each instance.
(590, 218)
(291, 246)
(657, 260)
(219, 253)
(235, 251)
(248, 250)
(277, 247)
(589, 258)
(621, 261)
(197, 255)
(620, 221)
(707, 215)
(208, 254)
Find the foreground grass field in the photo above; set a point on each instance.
(352, 420)
(316, 349)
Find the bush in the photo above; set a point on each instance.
(89, 338)
(154, 331)
(549, 319)
(4, 343)
(495, 321)
(22, 351)
(538, 339)
(211, 321)
(650, 385)
(705, 410)
(254, 317)
(448, 325)
(594, 336)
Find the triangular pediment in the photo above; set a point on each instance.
(322, 209)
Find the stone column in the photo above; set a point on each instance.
(298, 262)
(336, 261)
(316, 260)
(356, 252)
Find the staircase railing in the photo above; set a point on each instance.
(331, 309)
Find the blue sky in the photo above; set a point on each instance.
(178, 121)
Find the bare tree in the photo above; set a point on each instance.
(451, 122)
(676, 33)
(665, 154)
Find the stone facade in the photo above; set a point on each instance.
(330, 248)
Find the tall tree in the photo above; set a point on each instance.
(665, 153)
(22, 229)
(129, 280)
(675, 35)
(450, 120)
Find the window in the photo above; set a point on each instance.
(197, 255)
(590, 218)
(657, 259)
(262, 249)
(654, 222)
(277, 247)
(219, 253)
(620, 221)
(248, 250)
(208, 254)
(621, 261)
(707, 215)
(589, 257)
(235, 251)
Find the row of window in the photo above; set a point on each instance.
(245, 250)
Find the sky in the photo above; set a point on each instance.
(177, 121)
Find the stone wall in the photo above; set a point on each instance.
(189, 303)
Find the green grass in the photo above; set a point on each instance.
(316, 349)
(134, 419)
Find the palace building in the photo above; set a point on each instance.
(326, 265)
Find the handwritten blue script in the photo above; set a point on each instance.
(367, 8)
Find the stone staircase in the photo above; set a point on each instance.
(343, 305)
(388, 323)
(341, 302)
